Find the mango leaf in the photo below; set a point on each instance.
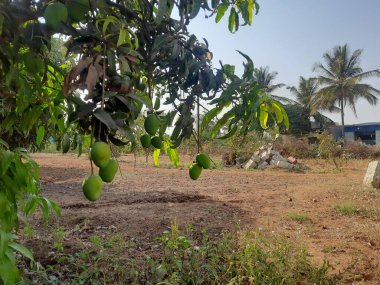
(161, 10)
(221, 10)
(124, 37)
(214, 3)
(250, 9)
(231, 20)
(157, 104)
(5, 162)
(4, 143)
(21, 249)
(172, 153)
(207, 118)
(248, 67)
(195, 8)
(40, 135)
(286, 118)
(156, 154)
(257, 7)
(137, 98)
(230, 133)
(277, 110)
(263, 116)
(222, 122)
(106, 119)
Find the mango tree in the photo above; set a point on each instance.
(127, 57)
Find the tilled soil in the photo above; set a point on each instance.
(145, 201)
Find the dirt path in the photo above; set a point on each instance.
(146, 200)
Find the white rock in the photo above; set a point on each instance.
(283, 164)
(252, 162)
(372, 177)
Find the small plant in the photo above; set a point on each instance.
(329, 249)
(299, 217)
(19, 194)
(347, 209)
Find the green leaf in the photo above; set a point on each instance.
(207, 118)
(106, 119)
(250, 9)
(156, 154)
(195, 8)
(286, 118)
(137, 98)
(4, 143)
(40, 135)
(124, 37)
(257, 7)
(21, 249)
(263, 116)
(277, 110)
(221, 10)
(222, 122)
(230, 133)
(5, 162)
(161, 10)
(229, 69)
(231, 20)
(214, 3)
(172, 153)
(157, 104)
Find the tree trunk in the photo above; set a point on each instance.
(342, 117)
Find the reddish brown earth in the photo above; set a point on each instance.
(146, 200)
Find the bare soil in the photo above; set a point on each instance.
(145, 200)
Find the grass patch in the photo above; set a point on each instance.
(351, 209)
(301, 218)
(243, 257)
(347, 209)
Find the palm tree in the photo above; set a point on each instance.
(341, 81)
(265, 78)
(305, 95)
(300, 110)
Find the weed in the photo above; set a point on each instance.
(299, 217)
(347, 209)
(243, 257)
(329, 249)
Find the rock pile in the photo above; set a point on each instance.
(268, 157)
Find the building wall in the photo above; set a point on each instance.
(349, 136)
(377, 137)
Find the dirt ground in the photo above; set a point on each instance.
(146, 200)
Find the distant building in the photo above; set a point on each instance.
(368, 133)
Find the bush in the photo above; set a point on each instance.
(297, 147)
(357, 150)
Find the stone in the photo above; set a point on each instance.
(265, 155)
(252, 162)
(292, 160)
(263, 165)
(274, 152)
(279, 158)
(283, 164)
(372, 176)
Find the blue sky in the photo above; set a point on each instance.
(290, 36)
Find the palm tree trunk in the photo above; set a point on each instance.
(342, 117)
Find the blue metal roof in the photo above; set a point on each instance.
(366, 127)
